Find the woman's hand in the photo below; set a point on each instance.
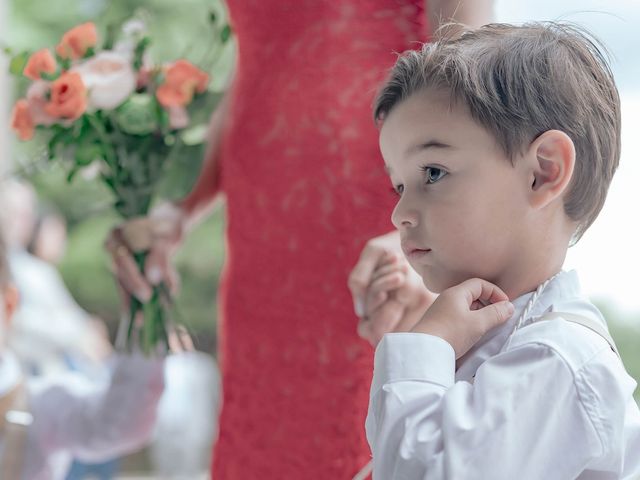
(160, 234)
(388, 294)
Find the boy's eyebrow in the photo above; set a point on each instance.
(421, 147)
(426, 146)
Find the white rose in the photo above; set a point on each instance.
(109, 78)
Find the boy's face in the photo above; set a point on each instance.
(462, 205)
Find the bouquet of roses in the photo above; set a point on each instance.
(111, 108)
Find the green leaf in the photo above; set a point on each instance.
(212, 16)
(86, 153)
(138, 53)
(61, 135)
(110, 37)
(17, 64)
(50, 77)
(225, 34)
(72, 173)
(64, 63)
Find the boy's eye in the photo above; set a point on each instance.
(433, 174)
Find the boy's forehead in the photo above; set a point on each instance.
(423, 120)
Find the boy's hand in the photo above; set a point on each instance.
(461, 315)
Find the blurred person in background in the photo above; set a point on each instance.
(45, 423)
(51, 335)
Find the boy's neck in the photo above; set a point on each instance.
(528, 275)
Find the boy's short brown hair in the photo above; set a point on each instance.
(519, 82)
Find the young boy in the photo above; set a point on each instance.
(501, 144)
(43, 427)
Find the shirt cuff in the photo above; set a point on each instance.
(415, 357)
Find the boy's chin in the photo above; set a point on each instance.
(438, 284)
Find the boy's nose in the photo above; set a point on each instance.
(404, 216)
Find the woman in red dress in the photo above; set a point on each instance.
(294, 149)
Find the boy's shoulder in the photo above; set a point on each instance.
(576, 344)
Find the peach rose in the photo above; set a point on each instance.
(21, 120)
(68, 97)
(109, 78)
(40, 62)
(182, 80)
(77, 41)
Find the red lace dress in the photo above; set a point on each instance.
(305, 189)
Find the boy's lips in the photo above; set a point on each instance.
(413, 251)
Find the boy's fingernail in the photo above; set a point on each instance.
(358, 306)
(510, 308)
(154, 275)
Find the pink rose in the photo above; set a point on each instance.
(37, 99)
(109, 77)
(178, 118)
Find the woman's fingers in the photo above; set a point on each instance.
(126, 268)
(377, 252)
(380, 322)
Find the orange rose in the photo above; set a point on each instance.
(21, 120)
(77, 41)
(68, 97)
(40, 62)
(182, 80)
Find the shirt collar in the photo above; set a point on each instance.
(562, 293)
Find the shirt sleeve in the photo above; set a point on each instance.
(101, 423)
(523, 416)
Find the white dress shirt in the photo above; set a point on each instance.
(74, 418)
(555, 404)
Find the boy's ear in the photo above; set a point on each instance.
(552, 157)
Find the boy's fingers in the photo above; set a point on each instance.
(481, 290)
(495, 314)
